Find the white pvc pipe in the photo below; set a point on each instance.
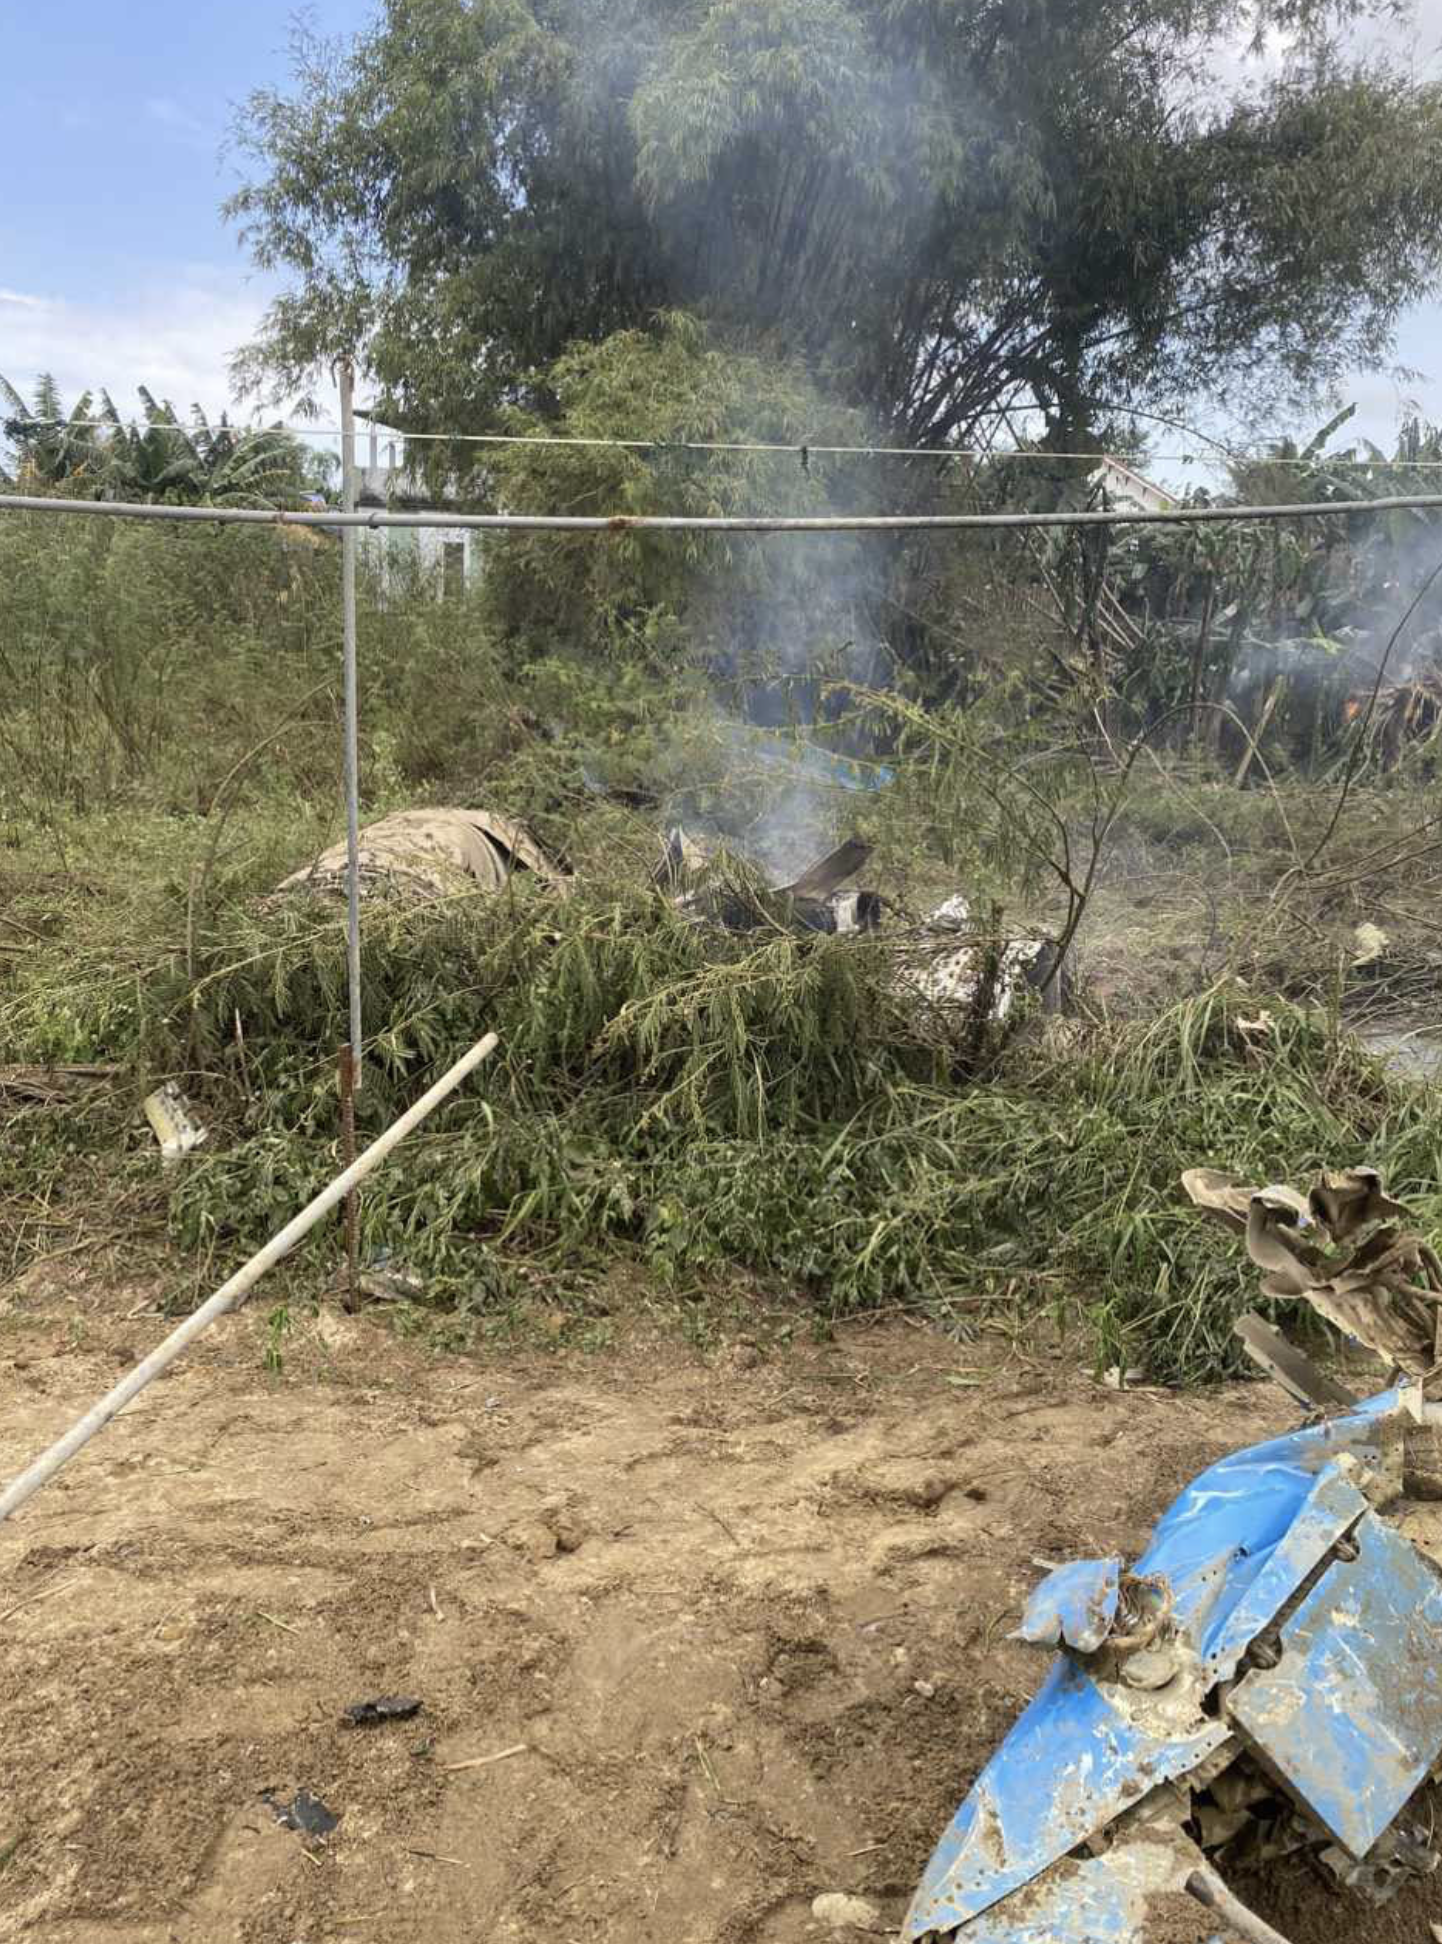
(687, 523)
(240, 1285)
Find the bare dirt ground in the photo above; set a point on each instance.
(744, 1616)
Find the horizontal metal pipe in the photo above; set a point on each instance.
(239, 1285)
(686, 523)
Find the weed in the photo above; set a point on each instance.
(693, 1108)
(278, 1327)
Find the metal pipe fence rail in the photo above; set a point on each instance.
(698, 523)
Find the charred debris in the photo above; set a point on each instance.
(946, 959)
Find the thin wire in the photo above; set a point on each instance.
(757, 446)
(392, 436)
(691, 523)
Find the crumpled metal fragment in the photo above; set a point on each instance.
(1076, 1603)
(431, 854)
(1339, 1248)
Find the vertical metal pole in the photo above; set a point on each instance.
(349, 542)
(351, 1079)
(346, 1066)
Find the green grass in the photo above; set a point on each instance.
(670, 1103)
(701, 1105)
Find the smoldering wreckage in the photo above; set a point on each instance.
(1266, 1679)
(947, 961)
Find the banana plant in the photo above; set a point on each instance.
(94, 451)
(51, 448)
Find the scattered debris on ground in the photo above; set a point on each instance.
(385, 1707)
(704, 888)
(804, 1569)
(424, 854)
(954, 964)
(1340, 1248)
(306, 1814)
(1266, 1681)
(949, 961)
(174, 1123)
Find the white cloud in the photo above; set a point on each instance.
(175, 334)
(168, 114)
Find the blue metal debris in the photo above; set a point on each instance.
(1101, 1898)
(1076, 1604)
(1069, 1767)
(1219, 1535)
(1347, 1723)
(1351, 1716)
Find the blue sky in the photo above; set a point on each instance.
(115, 267)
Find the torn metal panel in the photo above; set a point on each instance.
(173, 1121)
(1331, 1510)
(829, 873)
(1104, 1899)
(1217, 1537)
(1076, 1604)
(1259, 1540)
(1339, 1249)
(812, 902)
(431, 854)
(1351, 1717)
(950, 959)
(1069, 1767)
(1288, 1366)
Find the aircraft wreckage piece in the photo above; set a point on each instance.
(1266, 1678)
(694, 873)
(423, 854)
(944, 961)
(1341, 1248)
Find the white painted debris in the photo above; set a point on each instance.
(946, 974)
(1371, 943)
(172, 1118)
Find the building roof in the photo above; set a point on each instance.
(1137, 482)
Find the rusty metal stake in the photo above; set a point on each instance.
(347, 1066)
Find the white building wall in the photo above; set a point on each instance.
(448, 556)
(1123, 486)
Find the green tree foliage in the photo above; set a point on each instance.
(749, 604)
(92, 452)
(938, 206)
(51, 447)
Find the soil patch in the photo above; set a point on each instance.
(745, 1623)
